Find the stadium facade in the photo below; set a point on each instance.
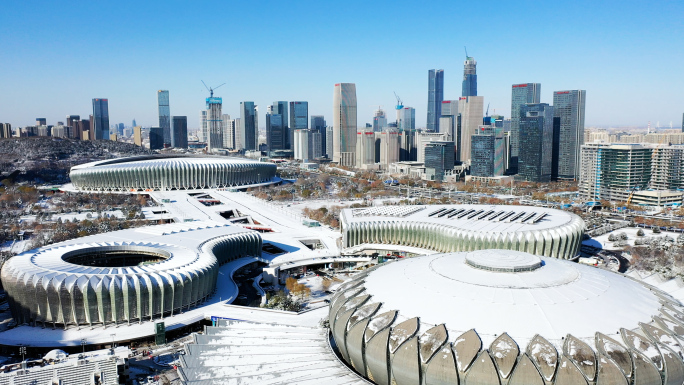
(149, 173)
(100, 280)
(449, 228)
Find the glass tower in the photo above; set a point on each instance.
(299, 118)
(100, 119)
(469, 77)
(179, 137)
(344, 123)
(214, 123)
(521, 94)
(435, 98)
(275, 133)
(248, 128)
(164, 114)
(536, 142)
(318, 124)
(569, 107)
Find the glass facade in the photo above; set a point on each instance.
(100, 119)
(344, 123)
(214, 123)
(568, 106)
(521, 94)
(435, 98)
(439, 157)
(164, 114)
(275, 132)
(249, 134)
(179, 139)
(469, 77)
(156, 136)
(536, 142)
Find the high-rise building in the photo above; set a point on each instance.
(365, 148)
(487, 152)
(390, 147)
(469, 77)
(439, 159)
(318, 125)
(227, 134)
(536, 142)
(275, 132)
(41, 122)
(282, 108)
(521, 94)
(83, 129)
(407, 146)
(214, 123)
(249, 134)
(100, 119)
(379, 120)
(614, 171)
(133, 124)
(164, 114)
(344, 123)
(424, 137)
(301, 144)
(299, 115)
(569, 107)
(179, 129)
(448, 122)
(202, 133)
(471, 111)
(5, 130)
(407, 118)
(156, 138)
(435, 98)
(329, 141)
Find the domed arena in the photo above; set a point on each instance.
(505, 317)
(160, 173)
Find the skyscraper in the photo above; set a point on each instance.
(435, 98)
(329, 141)
(41, 122)
(227, 135)
(156, 138)
(72, 121)
(275, 132)
(569, 107)
(379, 120)
(299, 115)
(407, 118)
(214, 123)
(471, 111)
(5, 130)
(521, 94)
(536, 142)
(344, 123)
(448, 121)
(282, 108)
(100, 120)
(487, 152)
(318, 125)
(248, 126)
(469, 77)
(133, 123)
(439, 159)
(179, 139)
(164, 114)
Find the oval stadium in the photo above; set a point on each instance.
(159, 173)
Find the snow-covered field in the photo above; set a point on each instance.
(602, 241)
(314, 204)
(87, 215)
(315, 284)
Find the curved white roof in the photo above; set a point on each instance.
(553, 300)
(150, 161)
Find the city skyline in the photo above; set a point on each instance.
(608, 57)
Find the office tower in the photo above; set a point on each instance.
(435, 98)
(164, 114)
(275, 132)
(230, 127)
(5, 130)
(344, 123)
(318, 125)
(248, 127)
(301, 144)
(156, 138)
(469, 77)
(422, 138)
(214, 123)
(120, 129)
(133, 124)
(379, 120)
(179, 129)
(536, 142)
(521, 94)
(614, 171)
(569, 107)
(365, 148)
(202, 134)
(83, 129)
(439, 159)
(282, 108)
(390, 147)
(329, 141)
(100, 120)
(487, 152)
(471, 111)
(299, 115)
(41, 122)
(72, 122)
(407, 146)
(555, 148)
(448, 121)
(407, 118)
(315, 144)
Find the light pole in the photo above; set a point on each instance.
(22, 351)
(83, 344)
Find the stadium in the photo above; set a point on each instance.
(505, 317)
(101, 280)
(160, 173)
(448, 228)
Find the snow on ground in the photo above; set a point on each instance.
(602, 241)
(14, 247)
(299, 206)
(84, 215)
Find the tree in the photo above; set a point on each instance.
(640, 232)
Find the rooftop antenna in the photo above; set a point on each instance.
(210, 89)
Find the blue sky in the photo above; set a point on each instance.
(56, 56)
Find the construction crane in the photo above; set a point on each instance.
(210, 89)
(487, 113)
(400, 104)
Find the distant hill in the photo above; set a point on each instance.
(48, 160)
